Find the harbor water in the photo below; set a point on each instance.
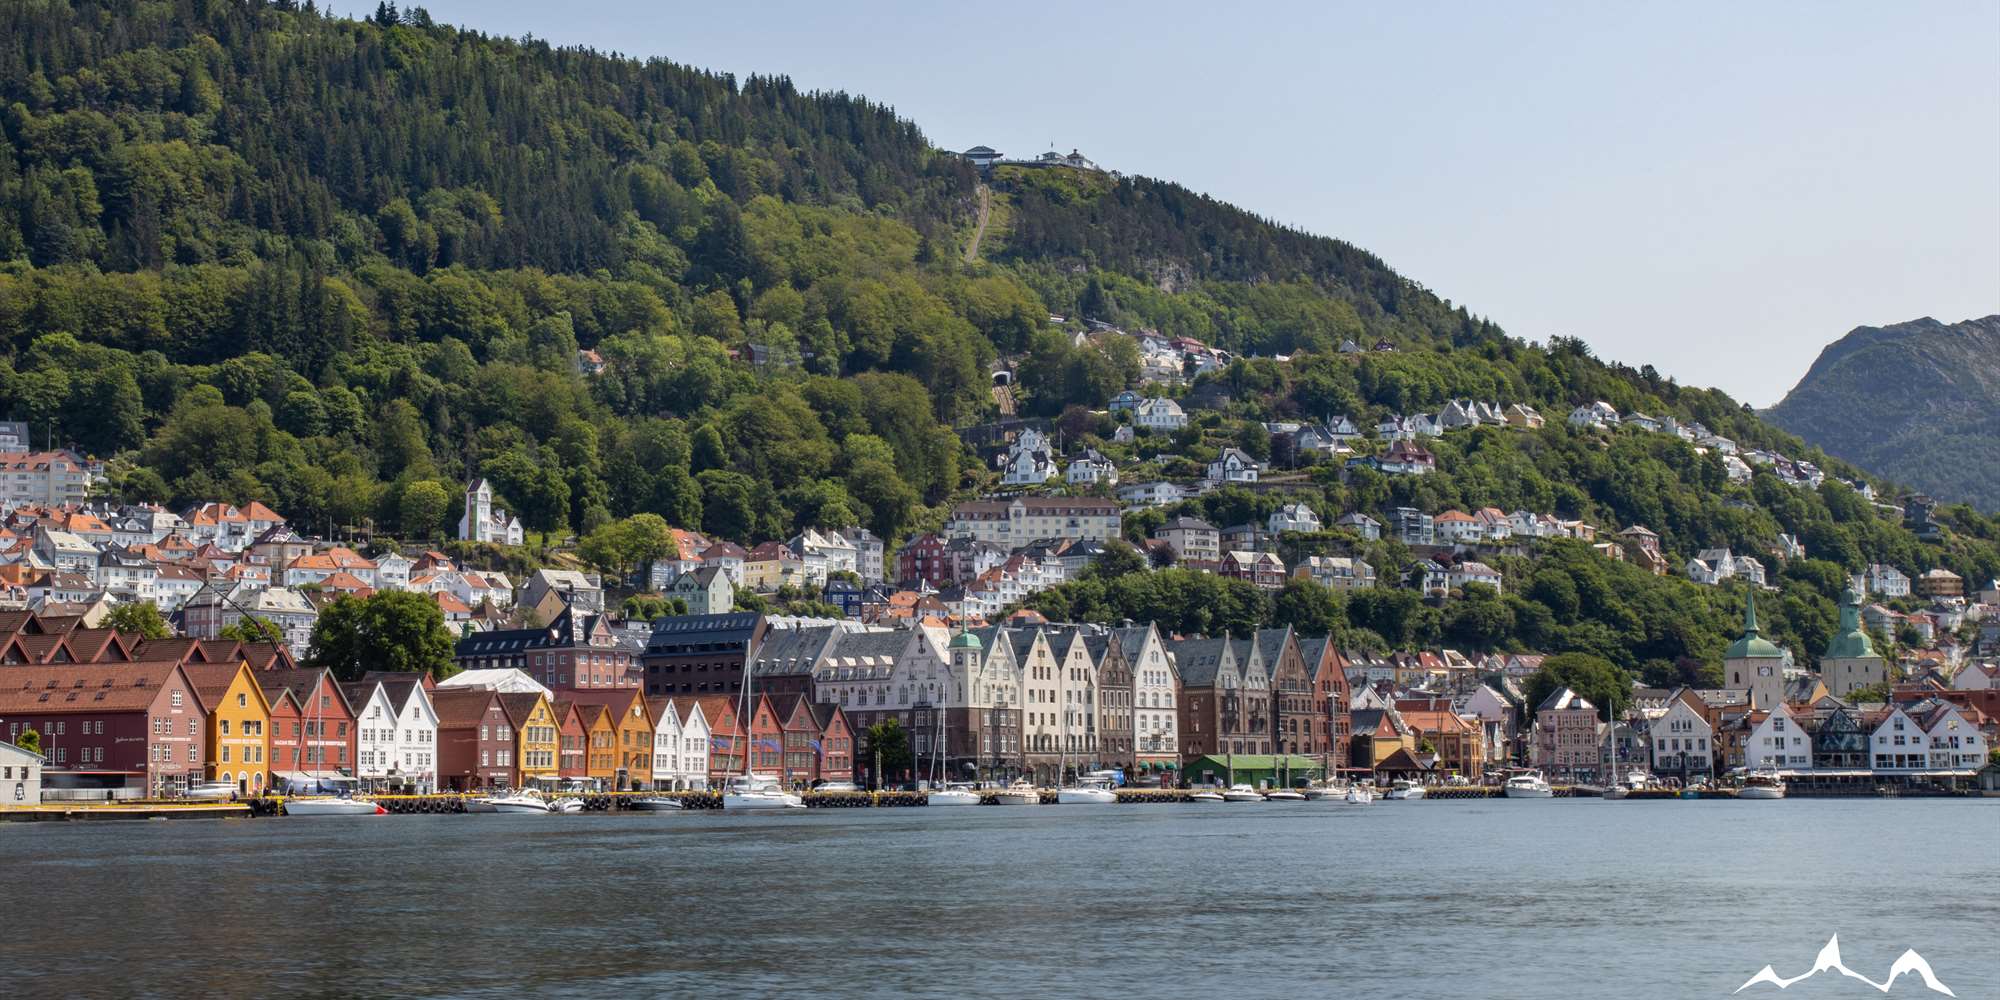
(1499, 898)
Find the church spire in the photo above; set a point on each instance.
(1750, 613)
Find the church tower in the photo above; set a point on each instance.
(476, 525)
(1850, 660)
(1753, 664)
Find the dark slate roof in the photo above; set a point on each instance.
(791, 650)
(1312, 649)
(1198, 659)
(1023, 640)
(889, 644)
(1132, 641)
(678, 633)
(1271, 641)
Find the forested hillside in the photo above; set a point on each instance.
(250, 251)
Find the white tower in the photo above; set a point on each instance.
(477, 525)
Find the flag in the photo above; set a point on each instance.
(815, 745)
(771, 745)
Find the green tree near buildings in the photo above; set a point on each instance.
(1593, 677)
(252, 628)
(621, 547)
(140, 618)
(885, 751)
(399, 631)
(29, 740)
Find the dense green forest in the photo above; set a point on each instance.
(249, 250)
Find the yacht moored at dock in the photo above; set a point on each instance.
(331, 806)
(1528, 785)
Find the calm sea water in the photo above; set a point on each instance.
(1554, 898)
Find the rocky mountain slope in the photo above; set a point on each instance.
(1917, 401)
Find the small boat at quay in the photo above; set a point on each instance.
(1358, 795)
(656, 804)
(478, 806)
(332, 806)
(1762, 785)
(1404, 788)
(1242, 793)
(748, 793)
(1205, 796)
(952, 795)
(1528, 785)
(519, 802)
(1284, 795)
(566, 806)
(1019, 793)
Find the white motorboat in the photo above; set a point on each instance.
(1284, 795)
(655, 804)
(1205, 795)
(1324, 793)
(477, 806)
(1358, 795)
(566, 806)
(1762, 785)
(1404, 788)
(518, 802)
(1086, 794)
(1242, 793)
(1616, 792)
(1529, 785)
(331, 806)
(758, 792)
(1019, 793)
(955, 795)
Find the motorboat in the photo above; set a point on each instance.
(656, 804)
(1358, 795)
(1762, 785)
(758, 792)
(1616, 792)
(1205, 795)
(518, 802)
(1019, 793)
(1088, 792)
(1242, 793)
(952, 795)
(332, 806)
(566, 805)
(1284, 795)
(473, 805)
(1528, 785)
(1404, 788)
(1324, 793)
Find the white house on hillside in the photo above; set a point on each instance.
(482, 522)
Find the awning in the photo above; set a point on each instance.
(315, 777)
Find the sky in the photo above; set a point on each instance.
(1720, 190)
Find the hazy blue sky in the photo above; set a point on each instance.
(1720, 190)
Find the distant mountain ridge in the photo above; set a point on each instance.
(1917, 401)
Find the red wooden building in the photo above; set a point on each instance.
(131, 728)
(319, 737)
(475, 740)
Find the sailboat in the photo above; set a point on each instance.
(753, 792)
(325, 805)
(1616, 789)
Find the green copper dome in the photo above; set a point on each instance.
(1851, 642)
(1752, 645)
(965, 640)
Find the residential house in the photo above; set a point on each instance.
(314, 742)
(1193, 540)
(1263, 569)
(1777, 741)
(1339, 572)
(1886, 581)
(483, 522)
(20, 775)
(475, 740)
(1361, 524)
(1091, 467)
(1159, 414)
(1293, 517)
(1233, 466)
(706, 591)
